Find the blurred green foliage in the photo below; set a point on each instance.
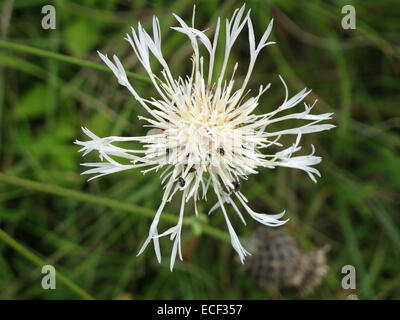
(354, 207)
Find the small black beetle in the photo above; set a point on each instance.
(236, 185)
(221, 151)
(181, 182)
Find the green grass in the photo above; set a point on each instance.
(52, 83)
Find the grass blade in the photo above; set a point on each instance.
(40, 263)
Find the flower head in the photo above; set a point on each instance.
(204, 133)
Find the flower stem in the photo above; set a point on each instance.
(64, 58)
(77, 195)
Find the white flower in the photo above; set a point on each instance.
(205, 132)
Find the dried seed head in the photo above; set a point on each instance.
(277, 261)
